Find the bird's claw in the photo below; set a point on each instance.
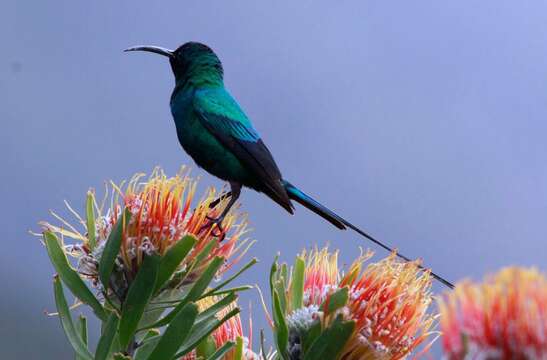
(214, 221)
(217, 201)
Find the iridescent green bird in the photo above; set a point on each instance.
(213, 129)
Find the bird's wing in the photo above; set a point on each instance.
(222, 116)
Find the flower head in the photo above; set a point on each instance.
(387, 300)
(230, 330)
(505, 317)
(161, 214)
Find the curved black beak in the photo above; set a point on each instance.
(153, 49)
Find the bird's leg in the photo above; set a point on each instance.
(217, 201)
(235, 191)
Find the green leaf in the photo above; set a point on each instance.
(205, 279)
(216, 307)
(239, 349)
(175, 334)
(149, 343)
(205, 252)
(180, 277)
(333, 339)
(69, 276)
(154, 311)
(282, 294)
(81, 328)
(107, 338)
(138, 297)
(195, 291)
(172, 259)
(229, 291)
(311, 335)
(112, 248)
(150, 334)
(203, 329)
(206, 348)
(284, 275)
(120, 356)
(273, 273)
(297, 284)
(231, 278)
(223, 350)
(336, 300)
(66, 321)
(90, 220)
(281, 332)
(115, 347)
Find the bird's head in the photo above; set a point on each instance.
(191, 61)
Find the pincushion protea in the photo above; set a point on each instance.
(160, 215)
(505, 317)
(231, 330)
(387, 301)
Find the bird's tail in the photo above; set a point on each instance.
(300, 197)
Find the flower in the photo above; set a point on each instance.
(160, 216)
(505, 317)
(321, 275)
(387, 300)
(230, 330)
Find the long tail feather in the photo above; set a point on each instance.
(341, 223)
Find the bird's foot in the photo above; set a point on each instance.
(217, 201)
(217, 224)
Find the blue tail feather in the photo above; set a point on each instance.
(307, 201)
(300, 197)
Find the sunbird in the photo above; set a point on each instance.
(213, 129)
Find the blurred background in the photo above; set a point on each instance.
(424, 122)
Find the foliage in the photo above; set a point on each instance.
(145, 267)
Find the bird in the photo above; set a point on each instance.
(218, 135)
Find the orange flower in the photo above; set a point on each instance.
(503, 318)
(388, 301)
(230, 330)
(161, 215)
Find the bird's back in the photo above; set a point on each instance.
(219, 136)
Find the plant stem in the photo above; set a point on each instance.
(132, 347)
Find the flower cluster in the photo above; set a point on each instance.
(386, 301)
(157, 215)
(505, 317)
(147, 250)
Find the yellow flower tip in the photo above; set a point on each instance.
(504, 317)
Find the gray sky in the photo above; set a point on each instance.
(424, 122)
